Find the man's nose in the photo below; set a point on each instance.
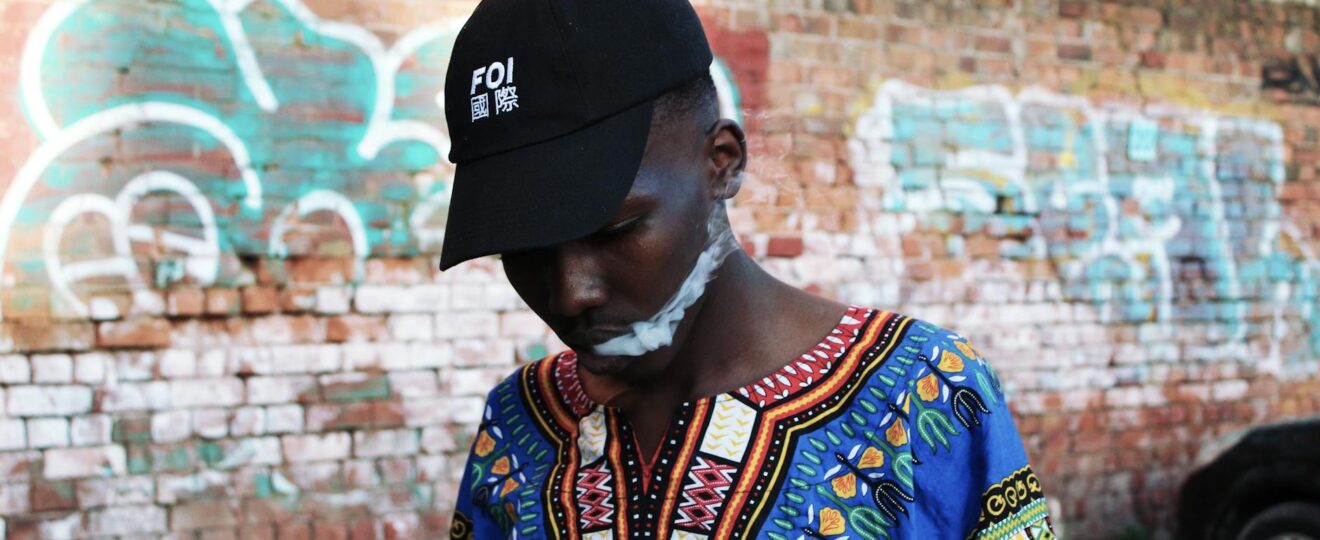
(578, 285)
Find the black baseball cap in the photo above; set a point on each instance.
(549, 104)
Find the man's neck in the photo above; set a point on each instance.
(746, 325)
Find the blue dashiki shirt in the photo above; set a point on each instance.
(889, 428)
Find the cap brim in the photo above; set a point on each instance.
(546, 193)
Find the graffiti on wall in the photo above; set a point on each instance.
(1298, 77)
(1156, 213)
(180, 137)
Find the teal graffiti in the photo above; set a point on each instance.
(1152, 215)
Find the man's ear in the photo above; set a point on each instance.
(726, 151)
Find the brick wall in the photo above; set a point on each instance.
(220, 315)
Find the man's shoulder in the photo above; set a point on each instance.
(911, 347)
(552, 379)
(914, 336)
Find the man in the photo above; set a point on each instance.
(702, 398)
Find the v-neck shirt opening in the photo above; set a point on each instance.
(787, 380)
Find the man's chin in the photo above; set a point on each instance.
(604, 365)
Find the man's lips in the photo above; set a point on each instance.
(589, 339)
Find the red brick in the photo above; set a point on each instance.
(784, 246)
(1074, 52)
(353, 328)
(331, 530)
(133, 333)
(53, 496)
(259, 299)
(44, 335)
(26, 303)
(994, 44)
(203, 515)
(1152, 60)
(185, 302)
(222, 302)
(295, 531)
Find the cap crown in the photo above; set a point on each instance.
(525, 71)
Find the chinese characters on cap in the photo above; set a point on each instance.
(496, 78)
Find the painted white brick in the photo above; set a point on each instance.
(211, 363)
(224, 392)
(14, 369)
(49, 400)
(484, 352)
(151, 396)
(69, 526)
(135, 366)
(400, 442)
(248, 421)
(370, 356)
(178, 364)
(414, 384)
(426, 412)
(91, 368)
(501, 296)
(466, 410)
(211, 423)
(432, 468)
(250, 452)
(412, 327)
(284, 419)
(333, 300)
(427, 355)
(130, 490)
(250, 360)
(52, 369)
(316, 447)
(429, 298)
(84, 462)
(378, 298)
(171, 488)
(1229, 390)
(126, 521)
(13, 434)
(473, 382)
(522, 324)
(171, 426)
(394, 299)
(265, 451)
(48, 433)
(305, 359)
(467, 297)
(287, 389)
(438, 440)
(93, 429)
(476, 324)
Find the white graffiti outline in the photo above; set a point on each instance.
(381, 129)
(875, 128)
(203, 262)
(322, 200)
(119, 117)
(203, 254)
(121, 264)
(423, 213)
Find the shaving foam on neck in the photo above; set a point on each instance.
(658, 331)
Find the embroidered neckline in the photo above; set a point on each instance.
(792, 377)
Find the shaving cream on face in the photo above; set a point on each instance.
(658, 331)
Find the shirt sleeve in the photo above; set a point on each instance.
(476, 512)
(971, 478)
